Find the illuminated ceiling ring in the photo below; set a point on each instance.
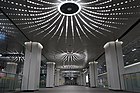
(69, 8)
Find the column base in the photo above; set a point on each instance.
(29, 90)
(115, 90)
(93, 87)
(49, 87)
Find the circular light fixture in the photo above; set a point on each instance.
(69, 8)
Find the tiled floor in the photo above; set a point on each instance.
(75, 89)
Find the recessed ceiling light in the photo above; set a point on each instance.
(135, 59)
(127, 62)
(134, 49)
(11, 63)
(69, 8)
(95, 62)
(0, 55)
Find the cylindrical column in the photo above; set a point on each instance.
(50, 74)
(115, 65)
(57, 77)
(81, 79)
(84, 79)
(93, 74)
(78, 80)
(11, 67)
(31, 69)
(62, 80)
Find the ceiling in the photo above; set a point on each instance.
(71, 41)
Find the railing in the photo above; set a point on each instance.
(102, 80)
(132, 82)
(9, 82)
(42, 84)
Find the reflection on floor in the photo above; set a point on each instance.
(75, 89)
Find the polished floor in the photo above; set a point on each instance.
(75, 89)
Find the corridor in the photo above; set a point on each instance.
(70, 46)
(75, 89)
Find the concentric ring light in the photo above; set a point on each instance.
(69, 8)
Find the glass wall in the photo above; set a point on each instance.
(131, 54)
(102, 72)
(102, 81)
(132, 82)
(9, 82)
(11, 52)
(43, 74)
(87, 79)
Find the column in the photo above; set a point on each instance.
(62, 80)
(81, 79)
(50, 74)
(11, 67)
(93, 74)
(31, 69)
(57, 77)
(115, 65)
(84, 79)
(78, 80)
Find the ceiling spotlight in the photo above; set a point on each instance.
(134, 49)
(71, 78)
(127, 62)
(11, 63)
(123, 55)
(135, 59)
(0, 55)
(69, 8)
(95, 62)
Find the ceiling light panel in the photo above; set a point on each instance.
(67, 57)
(70, 18)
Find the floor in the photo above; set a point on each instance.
(75, 89)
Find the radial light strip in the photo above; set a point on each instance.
(49, 32)
(91, 26)
(96, 22)
(99, 16)
(58, 26)
(81, 26)
(67, 21)
(72, 27)
(52, 25)
(92, 2)
(45, 22)
(60, 33)
(78, 33)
